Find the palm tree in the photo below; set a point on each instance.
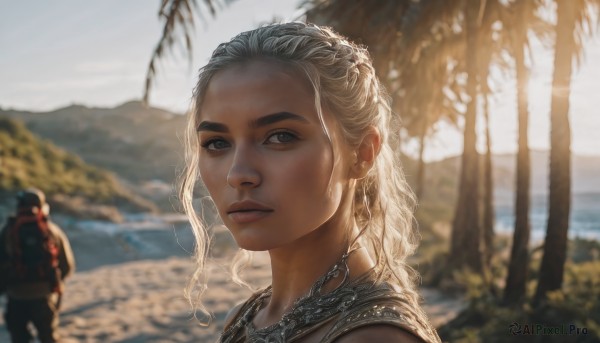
(574, 19)
(488, 188)
(179, 20)
(466, 227)
(473, 225)
(522, 17)
(519, 258)
(491, 53)
(426, 100)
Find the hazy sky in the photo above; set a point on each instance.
(95, 53)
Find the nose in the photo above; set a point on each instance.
(243, 172)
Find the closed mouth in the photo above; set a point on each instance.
(248, 206)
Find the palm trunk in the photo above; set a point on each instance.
(555, 245)
(488, 197)
(519, 257)
(421, 167)
(466, 233)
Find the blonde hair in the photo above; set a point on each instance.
(343, 79)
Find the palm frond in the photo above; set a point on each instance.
(179, 18)
(586, 24)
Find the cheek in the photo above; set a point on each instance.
(304, 185)
(210, 175)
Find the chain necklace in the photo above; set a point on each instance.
(307, 310)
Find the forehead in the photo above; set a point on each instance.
(257, 71)
(265, 66)
(256, 86)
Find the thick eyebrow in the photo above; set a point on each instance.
(210, 126)
(260, 122)
(277, 117)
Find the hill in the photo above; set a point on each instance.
(585, 171)
(441, 179)
(137, 143)
(70, 183)
(141, 145)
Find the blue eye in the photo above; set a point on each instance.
(215, 144)
(281, 138)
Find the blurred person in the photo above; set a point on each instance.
(36, 258)
(290, 134)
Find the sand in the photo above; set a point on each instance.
(127, 292)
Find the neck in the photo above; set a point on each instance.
(296, 269)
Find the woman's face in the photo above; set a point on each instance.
(265, 157)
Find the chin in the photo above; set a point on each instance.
(248, 239)
(252, 245)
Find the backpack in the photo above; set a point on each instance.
(34, 256)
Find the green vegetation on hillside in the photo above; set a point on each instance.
(136, 143)
(27, 161)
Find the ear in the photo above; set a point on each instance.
(365, 153)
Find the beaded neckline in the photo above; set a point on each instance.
(309, 309)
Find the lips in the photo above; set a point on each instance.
(247, 211)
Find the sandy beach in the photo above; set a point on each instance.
(129, 287)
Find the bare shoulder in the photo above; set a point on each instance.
(378, 333)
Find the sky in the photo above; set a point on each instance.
(95, 53)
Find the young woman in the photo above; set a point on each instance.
(291, 137)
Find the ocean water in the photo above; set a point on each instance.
(584, 221)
